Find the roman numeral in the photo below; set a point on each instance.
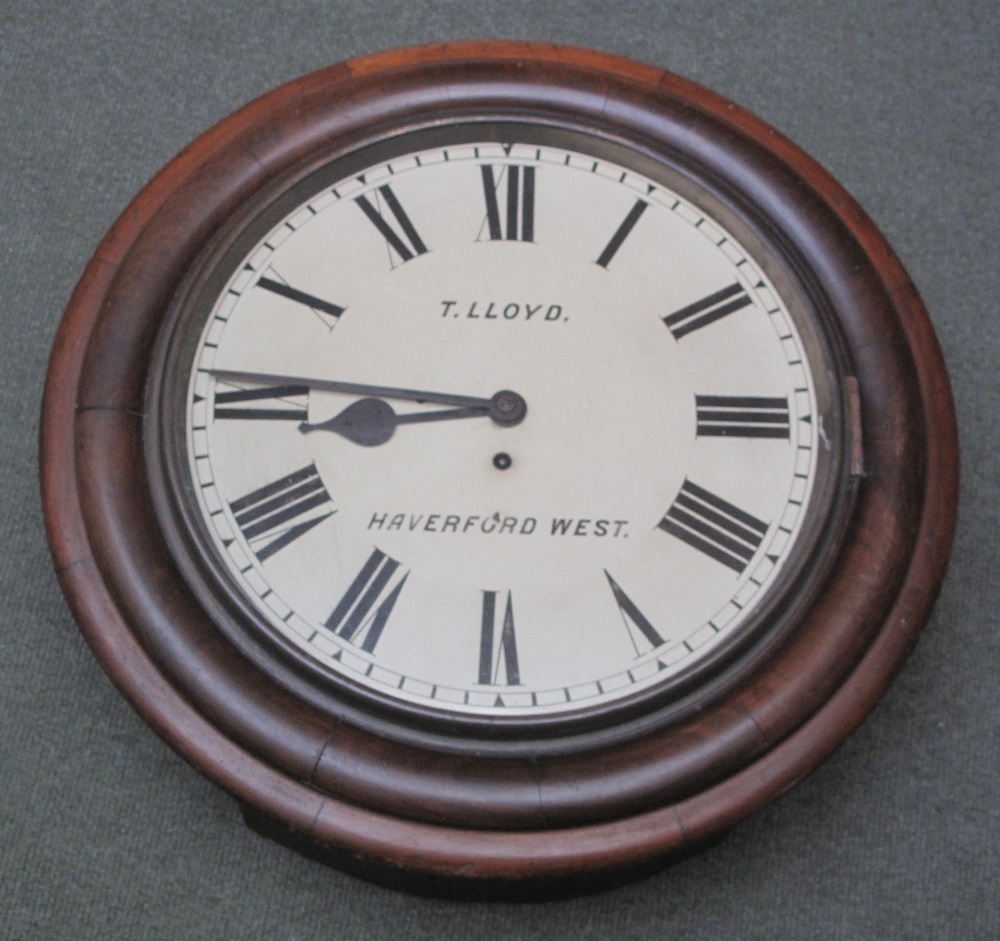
(361, 614)
(280, 403)
(741, 416)
(406, 242)
(622, 233)
(711, 525)
(495, 652)
(633, 618)
(316, 304)
(519, 203)
(707, 310)
(280, 512)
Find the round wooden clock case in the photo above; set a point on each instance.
(495, 784)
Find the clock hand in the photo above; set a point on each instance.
(371, 422)
(354, 388)
(504, 408)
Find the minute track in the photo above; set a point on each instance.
(423, 486)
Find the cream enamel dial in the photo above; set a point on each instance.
(502, 425)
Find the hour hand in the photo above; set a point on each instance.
(371, 422)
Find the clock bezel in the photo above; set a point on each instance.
(524, 825)
(587, 726)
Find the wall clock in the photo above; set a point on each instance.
(502, 467)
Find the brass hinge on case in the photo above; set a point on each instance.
(852, 404)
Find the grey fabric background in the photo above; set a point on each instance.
(105, 833)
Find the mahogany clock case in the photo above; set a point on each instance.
(355, 783)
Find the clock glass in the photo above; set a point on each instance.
(499, 420)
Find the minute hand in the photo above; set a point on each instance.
(356, 388)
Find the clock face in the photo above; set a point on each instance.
(500, 420)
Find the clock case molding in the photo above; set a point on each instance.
(528, 821)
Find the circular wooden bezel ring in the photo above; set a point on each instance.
(371, 803)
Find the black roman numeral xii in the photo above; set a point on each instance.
(518, 204)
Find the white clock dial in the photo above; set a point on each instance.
(363, 488)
